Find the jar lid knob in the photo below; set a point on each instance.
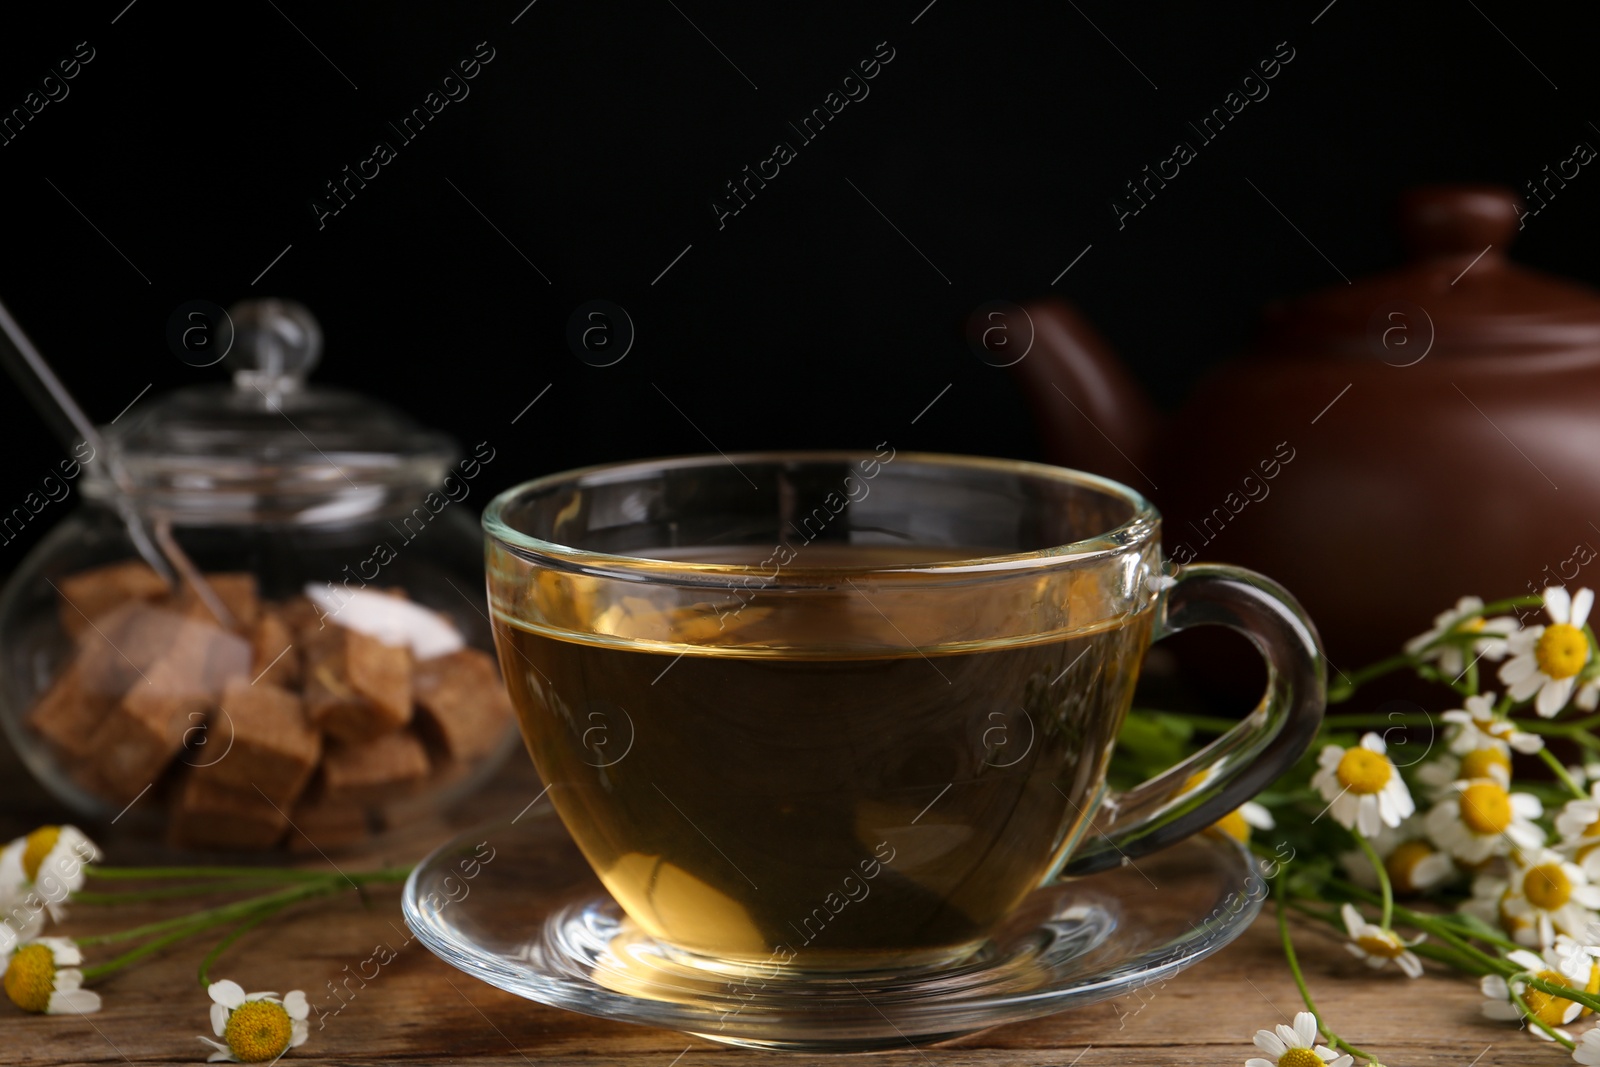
(276, 343)
(1440, 221)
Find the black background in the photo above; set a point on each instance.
(596, 139)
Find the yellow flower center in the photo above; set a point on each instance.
(1471, 626)
(1547, 886)
(31, 978)
(1300, 1057)
(40, 842)
(1481, 763)
(1385, 947)
(258, 1030)
(1549, 1009)
(1562, 650)
(1362, 770)
(1402, 864)
(1234, 826)
(1485, 808)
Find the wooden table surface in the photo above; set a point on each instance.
(420, 1010)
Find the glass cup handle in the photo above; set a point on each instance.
(1239, 764)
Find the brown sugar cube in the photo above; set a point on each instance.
(274, 658)
(87, 595)
(207, 816)
(303, 617)
(68, 714)
(124, 645)
(263, 741)
(238, 593)
(145, 730)
(374, 772)
(462, 705)
(357, 687)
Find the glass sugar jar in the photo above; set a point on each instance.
(287, 647)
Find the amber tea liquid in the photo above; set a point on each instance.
(836, 810)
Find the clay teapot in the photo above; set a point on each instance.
(1388, 445)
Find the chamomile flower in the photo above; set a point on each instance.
(1475, 726)
(1549, 894)
(1362, 788)
(42, 976)
(1588, 1050)
(1248, 816)
(1439, 775)
(1547, 659)
(1578, 822)
(52, 859)
(1371, 942)
(1465, 618)
(1482, 819)
(20, 917)
(1296, 1046)
(1589, 956)
(1571, 970)
(1489, 894)
(1416, 867)
(254, 1027)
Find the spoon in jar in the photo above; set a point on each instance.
(58, 408)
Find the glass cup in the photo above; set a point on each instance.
(842, 712)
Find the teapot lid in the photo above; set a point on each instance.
(1459, 295)
(269, 446)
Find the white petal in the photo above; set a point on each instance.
(1288, 1035)
(1369, 819)
(228, 993)
(1526, 806)
(295, 1004)
(1558, 602)
(1257, 1061)
(1580, 607)
(1410, 964)
(1352, 919)
(1528, 744)
(1553, 696)
(1527, 687)
(219, 1019)
(1305, 1027)
(1526, 960)
(1270, 1043)
(73, 1002)
(222, 1055)
(298, 1032)
(1519, 668)
(1373, 743)
(1501, 1011)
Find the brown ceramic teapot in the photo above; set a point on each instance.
(1388, 446)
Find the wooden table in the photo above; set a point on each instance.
(419, 1010)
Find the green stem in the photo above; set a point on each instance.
(1305, 993)
(234, 935)
(1212, 724)
(277, 874)
(169, 892)
(193, 927)
(211, 916)
(1561, 774)
(1382, 872)
(1528, 1014)
(1346, 688)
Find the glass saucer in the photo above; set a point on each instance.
(515, 905)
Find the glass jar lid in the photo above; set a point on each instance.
(269, 447)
